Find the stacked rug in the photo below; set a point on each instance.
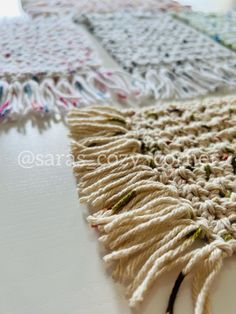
(35, 7)
(49, 65)
(220, 27)
(169, 58)
(156, 180)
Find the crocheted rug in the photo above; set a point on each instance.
(220, 27)
(157, 180)
(35, 7)
(169, 57)
(49, 65)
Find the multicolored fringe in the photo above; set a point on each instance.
(194, 67)
(149, 218)
(60, 93)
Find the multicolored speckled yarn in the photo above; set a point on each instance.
(48, 65)
(171, 60)
(35, 7)
(220, 27)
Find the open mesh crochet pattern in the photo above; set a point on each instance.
(36, 7)
(171, 59)
(220, 27)
(49, 65)
(156, 180)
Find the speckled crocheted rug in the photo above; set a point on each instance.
(170, 58)
(158, 179)
(220, 27)
(35, 7)
(49, 65)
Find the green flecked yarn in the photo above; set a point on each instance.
(220, 27)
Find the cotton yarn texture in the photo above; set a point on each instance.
(171, 59)
(49, 65)
(36, 7)
(220, 27)
(156, 180)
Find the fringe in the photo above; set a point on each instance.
(188, 79)
(57, 94)
(183, 77)
(146, 228)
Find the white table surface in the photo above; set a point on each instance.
(50, 259)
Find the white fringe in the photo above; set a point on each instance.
(188, 80)
(47, 96)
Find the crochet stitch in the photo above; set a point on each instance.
(168, 57)
(35, 7)
(157, 179)
(48, 65)
(220, 27)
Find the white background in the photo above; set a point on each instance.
(50, 261)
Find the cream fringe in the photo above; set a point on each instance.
(145, 226)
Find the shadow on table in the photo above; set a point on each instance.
(42, 123)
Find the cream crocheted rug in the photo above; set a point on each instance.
(49, 65)
(170, 58)
(35, 7)
(220, 27)
(156, 180)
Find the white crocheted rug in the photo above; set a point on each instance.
(170, 58)
(49, 65)
(220, 27)
(36, 7)
(157, 180)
